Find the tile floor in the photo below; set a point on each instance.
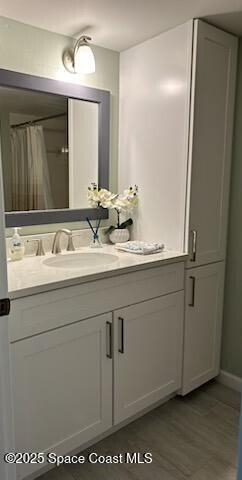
(191, 438)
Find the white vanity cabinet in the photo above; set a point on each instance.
(147, 353)
(78, 370)
(62, 388)
(203, 324)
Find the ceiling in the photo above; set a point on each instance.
(31, 103)
(119, 24)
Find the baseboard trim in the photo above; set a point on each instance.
(230, 380)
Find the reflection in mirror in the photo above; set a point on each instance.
(49, 147)
(83, 150)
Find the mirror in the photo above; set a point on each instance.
(49, 150)
(34, 145)
(52, 147)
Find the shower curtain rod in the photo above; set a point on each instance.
(30, 122)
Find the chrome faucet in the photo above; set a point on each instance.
(56, 243)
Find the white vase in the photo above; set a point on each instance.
(119, 235)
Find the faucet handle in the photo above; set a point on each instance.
(40, 248)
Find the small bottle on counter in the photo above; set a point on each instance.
(16, 246)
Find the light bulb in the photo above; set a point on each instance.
(84, 61)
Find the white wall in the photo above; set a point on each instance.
(153, 143)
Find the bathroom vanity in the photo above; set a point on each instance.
(94, 352)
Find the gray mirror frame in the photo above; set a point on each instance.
(23, 81)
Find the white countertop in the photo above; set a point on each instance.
(31, 276)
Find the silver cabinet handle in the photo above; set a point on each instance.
(120, 335)
(194, 245)
(193, 279)
(109, 339)
(40, 249)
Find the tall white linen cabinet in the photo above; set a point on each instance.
(177, 94)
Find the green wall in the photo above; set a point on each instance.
(232, 330)
(35, 51)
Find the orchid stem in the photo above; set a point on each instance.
(118, 213)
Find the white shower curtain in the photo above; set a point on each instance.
(31, 181)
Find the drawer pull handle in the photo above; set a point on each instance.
(194, 245)
(193, 279)
(120, 335)
(109, 339)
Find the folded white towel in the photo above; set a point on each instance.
(141, 248)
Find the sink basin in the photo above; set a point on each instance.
(81, 260)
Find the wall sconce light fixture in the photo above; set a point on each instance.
(80, 59)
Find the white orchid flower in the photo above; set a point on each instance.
(100, 197)
(123, 203)
(106, 198)
(128, 200)
(93, 195)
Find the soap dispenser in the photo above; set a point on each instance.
(16, 246)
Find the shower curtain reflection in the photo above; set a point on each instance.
(30, 174)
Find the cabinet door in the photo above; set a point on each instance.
(211, 142)
(62, 388)
(203, 325)
(147, 353)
